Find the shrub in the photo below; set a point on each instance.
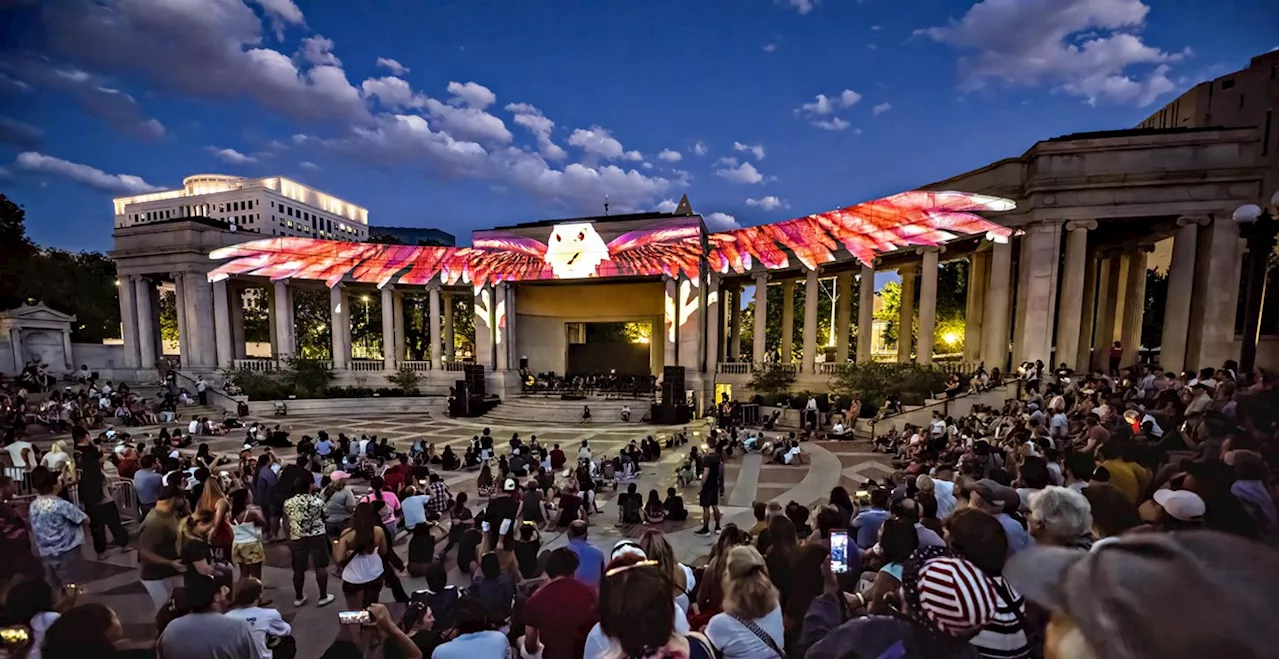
(874, 381)
(307, 377)
(772, 379)
(406, 379)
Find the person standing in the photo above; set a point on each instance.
(265, 481)
(202, 393)
(308, 543)
(709, 497)
(158, 547)
(102, 510)
(16, 557)
(147, 483)
(56, 524)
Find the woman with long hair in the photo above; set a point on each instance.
(811, 577)
(782, 555)
(247, 524)
(710, 592)
(88, 631)
(656, 548)
(638, 617)
(214, 500)
(359, 552)
(391, 504)
(193, 546)
(503, 544)
(484, 482)
(751, 625)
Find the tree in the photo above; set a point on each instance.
(772, 379)
(16, 251)
(953, 291)
(81, 283)
(774, 320)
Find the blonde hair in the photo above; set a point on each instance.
(187, 530)
(655, 547)
(747, 589)
(211, 495)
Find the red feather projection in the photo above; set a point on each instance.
(667, 247)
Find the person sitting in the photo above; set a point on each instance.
(685, 474)
(626, 413)
(840, 431)
(270, 632)
(654, 512)
(494, 587)
(674, 506)
(630, 505)
(422, 546)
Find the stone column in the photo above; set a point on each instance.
(238, 347)
(1135, 297)
(1019, 315)
(811, 292)
(866, 311)
(340, 321)
(844, 312)
(157, 338)
(714, 328)
(129, 322)
(670, 320)
(974, 304)
(1071, 302)
(735, 325)
(995, 319)
(222, 324)
(1084, 342)
(397, 325)
(15, 344)
(1177, 304)
(484, 304)
(928, 304)
(389, 335)
(449, 338)
(67, 357)
(146, 322)
(760, 321)
(788, 320)
(906, 312)
(1110, 295)
(503, 334)
(1036, 310)
(512, 337)
(282, 328)
(433, 326)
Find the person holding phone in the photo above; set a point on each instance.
(382, 630)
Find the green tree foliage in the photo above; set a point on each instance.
(774, 321)
(16, 250)
(312, 323)
(772, 379)
(168, 316)
(1153, 307)
(406, 379)
(873, 381)
(953, 289)
(81, 283)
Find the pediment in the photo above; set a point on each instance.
(35, 313)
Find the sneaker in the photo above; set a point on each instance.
(300, 601)
(703, 531)
(325, 601)
(717, 530)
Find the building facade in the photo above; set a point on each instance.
(272, 206)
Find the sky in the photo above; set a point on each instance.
(468, 114)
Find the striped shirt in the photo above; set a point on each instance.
(1005, 637)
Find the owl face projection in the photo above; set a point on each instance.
(574, 250)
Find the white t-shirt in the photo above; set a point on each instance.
(263, 623)
(838, 428)
(792, 453)
(937, 427)
(40, 624)
(736, 641)
(54, 461)
(15, 451)
(193, 427)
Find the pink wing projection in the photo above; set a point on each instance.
(667, 247)
(864, 230)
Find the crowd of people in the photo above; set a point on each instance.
(1092, 515)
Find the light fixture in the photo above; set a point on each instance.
(1247, 214)
(950, 338)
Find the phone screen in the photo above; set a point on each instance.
(354, 618)
(839, 552)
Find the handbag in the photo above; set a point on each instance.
(760, 634)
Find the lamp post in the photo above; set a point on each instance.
(1258, 228)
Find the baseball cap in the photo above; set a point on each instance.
(338, 475)
(509, 486)
(994, 493)
(1146, 580)
(1180, 504)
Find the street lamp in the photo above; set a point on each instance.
(1258, 228)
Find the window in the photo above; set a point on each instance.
(1228, 83)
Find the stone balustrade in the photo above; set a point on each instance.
(414, 365)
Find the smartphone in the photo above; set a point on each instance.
(839, 552)
(354, 617)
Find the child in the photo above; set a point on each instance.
(654, 512)
(674, 506)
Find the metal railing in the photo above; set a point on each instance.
(414, 365)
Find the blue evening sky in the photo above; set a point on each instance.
(494, 112)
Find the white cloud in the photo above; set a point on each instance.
(597, 141)
(468, 123)
(699, 148)
(93, 177)
(318, 50)
(231, 156)
(207, 49)
(396, 68)
(880, 109)
(770, 47)
(756, 150)
(393, 93)
(1086, 48)
(633, 156)
(308, 165)
(767, 203)
(91, 91)
(720, 222)
(670, 155)
(667, 206)
(533, 120)
(802, 6)
(875, 28)
(744, 173)
(647, 165)
(834, 124)
(473, 94)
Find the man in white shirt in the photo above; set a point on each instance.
(264, 623)
(23, 454)
(201, 388)
(193, 427)
(937, 427)
(944, 490)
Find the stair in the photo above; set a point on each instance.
(556, 411)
